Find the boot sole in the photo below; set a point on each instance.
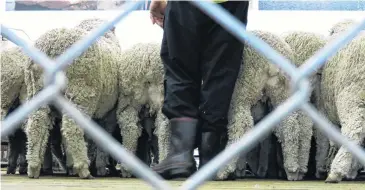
(175, 173)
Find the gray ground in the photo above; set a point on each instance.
(16, 182)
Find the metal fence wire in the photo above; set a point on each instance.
(55, 81)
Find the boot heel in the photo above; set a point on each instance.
(180, 172)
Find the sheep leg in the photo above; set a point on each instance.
(109, 123)
(305, 140)
(263, 165)
(101, 162)
(130, 131)
(162, 133)
(241, 122)
(355, 168)
(76, 146)
(86, 99)
(37, 130)
(145, 141)
(322, 151)
(333, 149)
(69, 163)
(288, 132)
(240, 172)
(154, 147)
(48, 160)
(23, 164)
(351, 111)
(56, 144)
(14, 148)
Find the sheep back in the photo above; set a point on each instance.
(141, 74)
(95, 68)
(258, 71)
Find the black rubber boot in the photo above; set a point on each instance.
(209, 147)
(180, 160)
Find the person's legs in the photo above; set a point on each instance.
(221, 63)
(180, 55)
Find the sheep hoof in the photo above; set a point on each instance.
(88, 177)
(301, 176)
(229, 177)
(70, 171)
(352, 176)
(321, 174)
(293, 176)
(261, 172)
(34, 171)
(124, 172)
(225, 175)
(84, 173)
(333, 178)
(101, 171)
(240, 173)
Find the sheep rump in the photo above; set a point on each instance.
(99, 159)
(343, 96)
(259, 79)
(305, 45)
(140, 84)
(92, 87)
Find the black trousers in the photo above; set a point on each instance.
(202, 61)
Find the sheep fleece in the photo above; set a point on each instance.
(343, 95)
(92, 87)
(260, 78)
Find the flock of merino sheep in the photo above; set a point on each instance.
(122, 88)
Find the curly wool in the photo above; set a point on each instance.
(341, 26)
(305, 45)
(92, 23)
(140, 83)
(98, 157)
(92, 79)
(343, 89)
(13, 93)
(13, 62)
(259, 79)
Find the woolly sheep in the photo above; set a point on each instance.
(141, 83)
(305, 45)
(92, 87)
(12, 78)
(98, 157)
(343, 96)
(13, 93)
(260, 79)
(12, 87)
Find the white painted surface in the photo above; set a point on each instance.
(138, 28)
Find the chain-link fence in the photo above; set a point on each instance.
(55, 81)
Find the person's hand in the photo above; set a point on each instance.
(157, 10)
